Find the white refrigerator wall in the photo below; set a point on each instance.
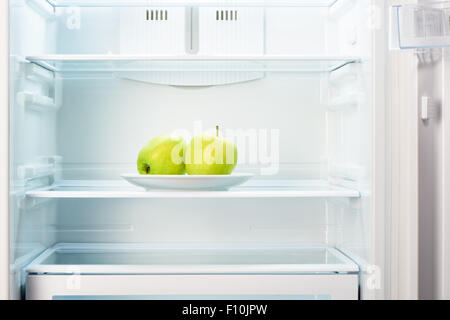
(324, 120)
(4, 151)
(32, 135)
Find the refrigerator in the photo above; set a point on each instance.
(337, 112)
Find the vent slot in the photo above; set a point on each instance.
(226, 15)
(156, 15)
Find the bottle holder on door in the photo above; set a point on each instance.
(420, 26)
(206, 31)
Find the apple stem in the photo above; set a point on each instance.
(217, 131)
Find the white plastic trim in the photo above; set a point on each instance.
(345, 265)
(111, 57)
(375, 273)
(86, 63)
(403, 113)
(39, 74)
(341, 7)
(193, 3)
(442, 225)
(37, 102)
(337, 286)
(4, 150)
(42, 7)
(266, 189)
(345, 102)
(35, 170)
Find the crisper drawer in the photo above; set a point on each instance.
(192, 287)
(132, 271)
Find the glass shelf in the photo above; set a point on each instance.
(194, 3)
(123, 63)
(415, 26)
(79, 189)
(190, 258)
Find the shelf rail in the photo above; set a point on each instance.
(193, 3)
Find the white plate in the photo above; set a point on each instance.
(186, 182)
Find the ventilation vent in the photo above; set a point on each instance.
(156, 15)
(226, 15)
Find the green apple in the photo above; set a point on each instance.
(163, 155)
(207, 154)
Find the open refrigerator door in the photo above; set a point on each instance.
(419, 55)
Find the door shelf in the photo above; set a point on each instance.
(416, 26)
(124, 63)
(79, 189)
(65, 258)
(191, 3)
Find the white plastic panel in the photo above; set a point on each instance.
(156, 31)
(355, 137)
(191, 287)
(233, 31)
(123, 30)
(167, 31)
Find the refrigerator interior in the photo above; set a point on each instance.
(92, 81)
